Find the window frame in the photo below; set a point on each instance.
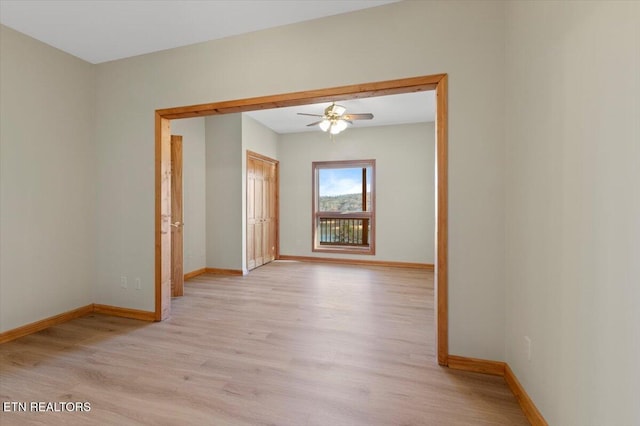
(316, 215)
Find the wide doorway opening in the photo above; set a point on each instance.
(163, 119)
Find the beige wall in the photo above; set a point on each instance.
(573, 208)
(405, 209)
(47, 181)
(398, 40)
(258, 138)
(224, 191)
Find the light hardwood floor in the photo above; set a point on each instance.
(290, 344)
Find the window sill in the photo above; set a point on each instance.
(345, 249)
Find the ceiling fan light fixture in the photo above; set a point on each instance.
(337, 126)
(324, 125)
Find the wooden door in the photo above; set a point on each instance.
(177, 224)
(259, 206)
(269, 211)
(262, 226)
(251, 213)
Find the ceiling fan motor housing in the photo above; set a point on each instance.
(334, 111)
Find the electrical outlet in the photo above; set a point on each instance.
(123, 282)
(138, 284)
(527, 342)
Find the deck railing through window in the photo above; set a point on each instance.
(348, 231)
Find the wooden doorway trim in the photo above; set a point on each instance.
(163, 117)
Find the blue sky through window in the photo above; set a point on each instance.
(342, 181)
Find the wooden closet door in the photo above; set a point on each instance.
(270, 205)
(262, 226)
(258, 245)
(251, 213)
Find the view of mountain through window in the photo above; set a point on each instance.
(341, 189)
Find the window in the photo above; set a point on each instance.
(344, 206)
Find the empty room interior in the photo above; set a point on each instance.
(313, 213)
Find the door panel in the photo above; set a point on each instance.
(259, 206)
(251, 214)
(273, 209)
(259, 256)
(177, 268)
(251, 253)
(259, 202)
(266, 252)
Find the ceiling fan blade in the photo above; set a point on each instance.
(367, 116)
(314, 124)
(311, 115)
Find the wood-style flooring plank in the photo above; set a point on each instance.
(291, 343)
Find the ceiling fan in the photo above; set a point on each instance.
(334, 120)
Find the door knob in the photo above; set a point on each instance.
(177, 224)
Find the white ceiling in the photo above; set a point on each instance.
(416, 107)
(105, 30)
